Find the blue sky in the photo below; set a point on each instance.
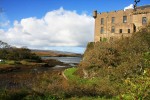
(18, 9)
(32, 23)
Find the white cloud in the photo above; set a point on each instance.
(57, 28)
(129, 7)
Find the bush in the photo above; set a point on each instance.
(18, 54)
(117, 61)
(127, 52)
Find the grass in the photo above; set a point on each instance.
(139, 87)
(7, 63)
(69, 73)
(22, 62)
(39, 89)
(25, 95)
(10, 62)
(90, 98)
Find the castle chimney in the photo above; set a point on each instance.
(95, 14)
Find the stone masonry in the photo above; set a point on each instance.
(119, 24)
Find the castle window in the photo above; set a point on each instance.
(112, 29)
(144, 20)
(102, 30)
(124, 19)
(128, 30)
(102, 21)
(100, 38)
(134, 28)
(120, 31)
(113, 20)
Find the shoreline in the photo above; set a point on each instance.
(17, 76)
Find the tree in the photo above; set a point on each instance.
(13, 53)
(4, 45)
(135, 5)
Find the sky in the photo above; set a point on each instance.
(62, 25)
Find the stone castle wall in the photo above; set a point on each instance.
(122, 28)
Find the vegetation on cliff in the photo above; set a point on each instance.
(123, 66)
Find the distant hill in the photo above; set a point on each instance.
(52, 53)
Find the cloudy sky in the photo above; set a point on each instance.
(63, 25)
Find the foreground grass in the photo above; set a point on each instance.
(69, 73)
(25, 95)
(90, 98)
(137, 87)
(88, 89)
(72, 77)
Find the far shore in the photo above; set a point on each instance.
(45, 53)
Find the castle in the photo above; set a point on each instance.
(119, 24)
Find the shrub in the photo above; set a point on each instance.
(118, 61)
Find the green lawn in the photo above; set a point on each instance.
(9, 62)
(69, 73)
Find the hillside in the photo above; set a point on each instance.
(51, 53)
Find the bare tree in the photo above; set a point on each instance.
(135, 4)
(4, 45)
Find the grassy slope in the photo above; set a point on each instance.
(85, 83)
(70, 74)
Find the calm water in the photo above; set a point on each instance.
(68, 60)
